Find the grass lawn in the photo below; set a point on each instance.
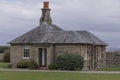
(110, 69)
(12, 75)
(4, 65)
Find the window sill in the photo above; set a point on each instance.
(26, 58)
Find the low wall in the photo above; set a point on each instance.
(1, 56)
(113, 59)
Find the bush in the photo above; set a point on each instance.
(52, 66)
(9, 66)
(22, 64)
(6, 57)
(32, 64)
(70, 62)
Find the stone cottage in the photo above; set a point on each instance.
(47, 41)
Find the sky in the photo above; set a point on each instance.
(100, 17)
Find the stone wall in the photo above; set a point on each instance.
(113, 59)
(16, 54)
(76, 49)
(86, 51)
(17, 51)
(100, 57)
(94, 59)
(1, 56)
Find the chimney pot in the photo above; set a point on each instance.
(46, 5)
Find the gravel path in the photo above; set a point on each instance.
(26, 70)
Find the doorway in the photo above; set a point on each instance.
(42, 57)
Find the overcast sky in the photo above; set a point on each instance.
(100, 17)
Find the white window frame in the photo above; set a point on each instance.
(26, 52)
(86, 54)
(100, 56)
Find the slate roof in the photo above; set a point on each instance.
(46, 34)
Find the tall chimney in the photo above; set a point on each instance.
(46, 14)
(46, 5)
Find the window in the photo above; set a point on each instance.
(26, 54)
(100, 53)
(103, 52)
(100, 56)
(86, 56)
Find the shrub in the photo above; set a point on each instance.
(9, 66)
(22, 64)
(6, 57)
(70, 62)
(32, 64)
(52, 66)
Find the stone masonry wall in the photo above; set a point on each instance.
(85, 51)
(53, 51)
(16, 54)
(101, 56)
(113, 59)
(1, 56)
(77, 49)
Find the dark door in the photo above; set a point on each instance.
(42, 57)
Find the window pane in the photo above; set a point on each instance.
(26, 52)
